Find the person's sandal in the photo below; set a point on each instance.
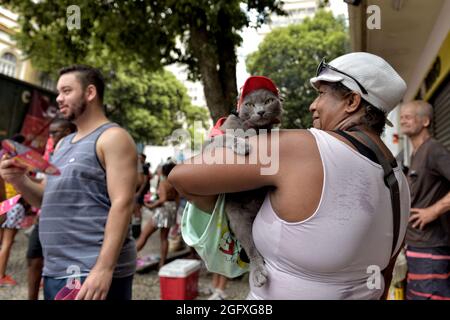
(7, 281)
(218, 295)
(206, 291)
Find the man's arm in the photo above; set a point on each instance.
(441, 158)
(32, 191)
(440, 162)
(118, 150)
(420, 217)
(14, 173)
(443, 205)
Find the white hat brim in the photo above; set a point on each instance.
(325, 76)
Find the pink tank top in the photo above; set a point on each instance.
(340, 251)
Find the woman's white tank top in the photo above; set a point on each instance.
(340, 251)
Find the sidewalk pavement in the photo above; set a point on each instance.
(145, 285)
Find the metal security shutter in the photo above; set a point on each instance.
(441, 104)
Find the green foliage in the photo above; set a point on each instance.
(140, 95)
(151, 105)
(290, 56)
(201, 34)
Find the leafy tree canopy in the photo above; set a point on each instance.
(290, 56)
(141, 96)
(201, 34)
(151, 105)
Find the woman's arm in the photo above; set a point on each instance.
(200, 179)
(162, 196)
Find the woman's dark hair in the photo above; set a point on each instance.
(167, 167)
(374, 118)
(65, 124)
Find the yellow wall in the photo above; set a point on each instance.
(437, 76)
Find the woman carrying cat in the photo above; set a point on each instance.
(325, 230)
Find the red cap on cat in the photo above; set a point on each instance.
(255, 83)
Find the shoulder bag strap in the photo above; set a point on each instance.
(390, 181)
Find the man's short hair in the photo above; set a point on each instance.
(424, 109)
(87, 75)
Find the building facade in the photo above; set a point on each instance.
(12, 61)
(296, 12)
(194, 88)
(414, 37)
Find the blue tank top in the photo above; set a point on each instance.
(75, 209)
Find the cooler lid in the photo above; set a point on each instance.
(179, 268)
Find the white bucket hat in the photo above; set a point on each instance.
(367, 74)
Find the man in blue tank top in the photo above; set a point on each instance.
(85, 211)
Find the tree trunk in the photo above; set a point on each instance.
(227, 59)
(218, 73)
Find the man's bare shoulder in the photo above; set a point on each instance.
(116, 142)
(115, 137)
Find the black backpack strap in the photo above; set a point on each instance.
(390, 181)
(362, 148)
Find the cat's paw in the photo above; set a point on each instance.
(259, 273)
(241, 147)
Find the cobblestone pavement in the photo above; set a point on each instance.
(145, 286)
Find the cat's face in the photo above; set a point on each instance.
(260, 108)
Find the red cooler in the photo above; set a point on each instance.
(178, 280)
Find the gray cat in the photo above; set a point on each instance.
(260, 109)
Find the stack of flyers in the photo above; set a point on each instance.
(69, 291)
(7, 205)
(28, 157)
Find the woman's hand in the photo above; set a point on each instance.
(150, 205)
